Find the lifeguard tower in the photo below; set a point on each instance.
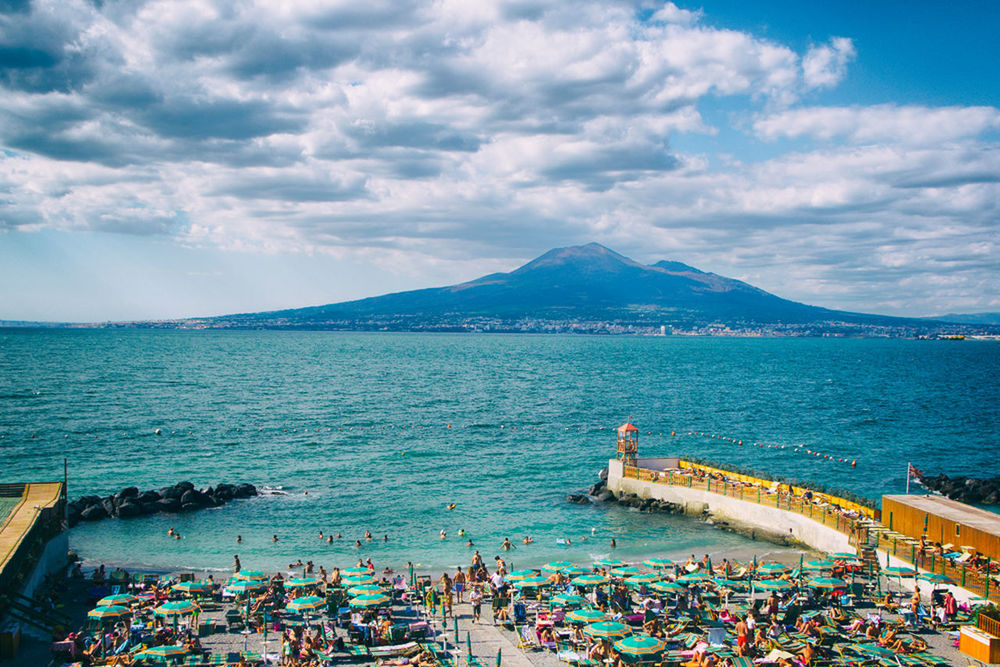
(628, 444)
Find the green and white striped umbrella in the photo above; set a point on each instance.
(819, 565)
(533, 582)
(162, 652)
(109, 612)
(355, 570)
(364, 589)
(250, 575)
(666, 587)
(589, 580)
(641, 579)
(303, 582)
(843, 555)
(658, 562)
(308, 603)
(557, 566)
(371, 600)
(935, 578)
(640, 645)
(609, 562)
(587, 615)
(575, 570)
(826, 582)
(607, 630)
(692, 578)
(358, 579)
(773, 585)
(177, 608)
(193, 586)
(238, 587)
(772, 569)
(520, 575)
(566, 599)
(899, 572)
(121, 598)
(626, 571)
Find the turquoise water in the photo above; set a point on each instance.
(355, 428)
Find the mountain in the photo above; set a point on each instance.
(578, 288)
(971, 318)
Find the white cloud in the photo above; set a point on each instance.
(917, 125)
(825, 66)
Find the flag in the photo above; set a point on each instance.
(914, 472)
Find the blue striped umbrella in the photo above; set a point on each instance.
(250, 575)
(307, 603)
(121, 598)
(110, 611)
(587, 615)
(302, 582)
(238, 587)
(607, 630)
(557, 565)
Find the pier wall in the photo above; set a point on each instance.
(767, 521)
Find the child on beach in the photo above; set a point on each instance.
(476, 598)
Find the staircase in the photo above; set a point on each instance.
(35, 622)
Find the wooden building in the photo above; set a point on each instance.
(944, 521)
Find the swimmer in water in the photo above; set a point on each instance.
(329, 539)
(274, 538)
(385, 538)
(443, 534)
(170, 531)
(368, 535)
(461, 532)
(357, 543)
(469, 544)
(451, 506)
(321, 534)
(613, 545)
(239, 539)
(339, 536)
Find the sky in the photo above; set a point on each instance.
(175, 158)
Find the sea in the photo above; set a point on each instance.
(381, 432)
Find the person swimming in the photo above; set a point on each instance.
(329, 539)
(357, 543)
(444, 535)
(461, 532)
(239, 539)
(451, 506)
(274, 538)
(368, 535)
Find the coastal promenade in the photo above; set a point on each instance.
(770, 509)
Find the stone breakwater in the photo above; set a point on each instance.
(965, 489)
(600, 493)
(130, 502)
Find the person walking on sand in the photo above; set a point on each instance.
(459, 584)
(476, 598)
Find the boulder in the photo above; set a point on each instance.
(246, 490)
(150, 508)
(109, 505)
(184, 486)
(129, 492)
(194, 497)
(171, 492)
(603, 475)
(87, 501)
(129, 510)
(605, 496)
(94, 513)
(148, 497)
(190, 507)
(169, 504)
(578, 498)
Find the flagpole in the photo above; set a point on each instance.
(908, 478)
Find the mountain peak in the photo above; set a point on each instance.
(676, 267)
(589, 257)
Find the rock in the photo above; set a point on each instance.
(246, 490)
(193, 497)
(129, 510)
(578, 498)
(129, 492)
(148, 497)
(94, 513)
(169, 504)
(171, 492)
(109, 505)
(184, 486)
(150, 508)
(190, 507)
(87, 501)
(603, 475)
(605, 496)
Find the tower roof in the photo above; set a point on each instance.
(627, 427)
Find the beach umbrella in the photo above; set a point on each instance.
(658, 562)
(826, 582)
(772, 569)
(121, 598)
(626, 570)
(575, 570)
(355, 570)
(371, 600)
(773, 585)
(109, 612)
(609, 562)
(692, 578)
(666, 587)
(250, 575)
(237, 587)
(177, 608)
(303, 582)
(587, 615)
(566, 599)
(364, 589)
(308, 603)
(202, 586)
(843, 555)
(899, 572)
(641, 579)
(935, 578)
(162, 653)
(358, 579)
(820, 564)
(533, 582)
(639, 645)
(607, 630)
(589, 580)
(730, 583)
(557, 565)
(520, 575)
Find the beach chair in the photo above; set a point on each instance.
(234, 620)
(526, 638)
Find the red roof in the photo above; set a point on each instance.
(626, 427)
